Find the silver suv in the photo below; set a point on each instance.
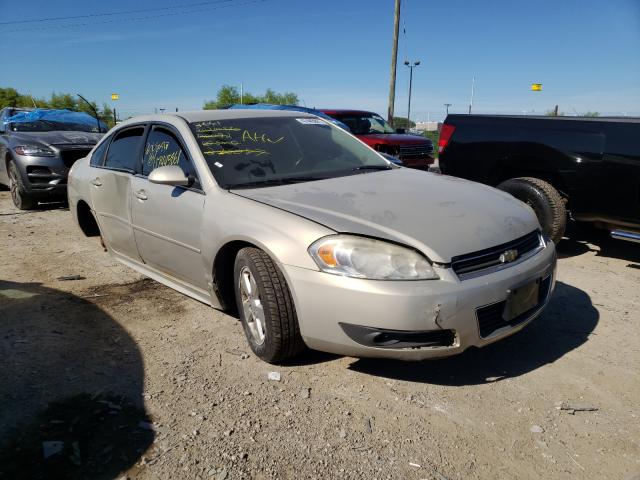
(37, 149)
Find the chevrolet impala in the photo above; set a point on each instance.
(313, 237)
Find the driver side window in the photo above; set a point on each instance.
(162, 149)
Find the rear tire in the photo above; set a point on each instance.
(545, 201)
(265, 307)
(20, 198)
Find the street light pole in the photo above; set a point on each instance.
(447, 105)
(473, 84)
(411, 67)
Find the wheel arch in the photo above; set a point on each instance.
(86, 220)
(223, 264)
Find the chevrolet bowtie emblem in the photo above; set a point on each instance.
(508, 256)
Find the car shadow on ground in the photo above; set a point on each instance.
(40, 207)
(565, 325)
(71, 386)
(582, 239)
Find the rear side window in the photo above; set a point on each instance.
(97, 158)
(124, 150)
(162, 149)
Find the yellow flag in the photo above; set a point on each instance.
(536, 87)
(115, 96)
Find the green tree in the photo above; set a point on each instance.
(229, 95)
(590, 114)
(106, 115)
(10, 97)
(286, 98)
(64, 100)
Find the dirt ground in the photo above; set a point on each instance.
(112, 375)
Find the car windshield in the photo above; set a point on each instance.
(51, 126)
(264, 151)
(365, 124)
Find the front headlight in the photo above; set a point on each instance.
(362, 257)
(33, 151)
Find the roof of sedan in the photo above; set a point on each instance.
(204, 115)
(333, 111)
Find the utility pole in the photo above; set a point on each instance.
(394, 62)
(447, 105)
(473, 84)
(241, 93)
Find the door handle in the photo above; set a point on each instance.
(96, 181)
(141, 195)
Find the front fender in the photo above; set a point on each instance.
(284, 236)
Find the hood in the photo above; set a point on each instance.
(55, 138)
(438, 215)
(395, 138)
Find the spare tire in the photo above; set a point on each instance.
(545, 201)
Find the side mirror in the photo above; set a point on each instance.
(401, 130)
(169, 175)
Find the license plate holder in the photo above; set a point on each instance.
(521, 299)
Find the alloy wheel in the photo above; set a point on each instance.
(252, 306)
(13, 187)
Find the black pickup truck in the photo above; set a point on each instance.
(588, 167)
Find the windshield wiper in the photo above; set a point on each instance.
(273, 181)
(372, 167)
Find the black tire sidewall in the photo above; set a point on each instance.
(24, 203)
(534, 197)
(266, 350)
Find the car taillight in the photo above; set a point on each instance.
(445, 136)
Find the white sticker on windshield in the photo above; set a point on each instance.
(311, 121)
(218, 164)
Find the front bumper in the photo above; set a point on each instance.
(324, 301)
(43, 176)
(423, 162)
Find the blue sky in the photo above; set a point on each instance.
(331, 53)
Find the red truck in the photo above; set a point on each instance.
(413, 151)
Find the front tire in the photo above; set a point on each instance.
(265, 306)
(20, 198)
(545, 201)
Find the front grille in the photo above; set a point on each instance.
(415, 150)
(71, 155)
(471, 264)
(490, 317)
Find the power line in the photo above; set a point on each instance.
(124, 12)
(133, 19)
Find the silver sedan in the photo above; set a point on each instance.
(312, 237)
